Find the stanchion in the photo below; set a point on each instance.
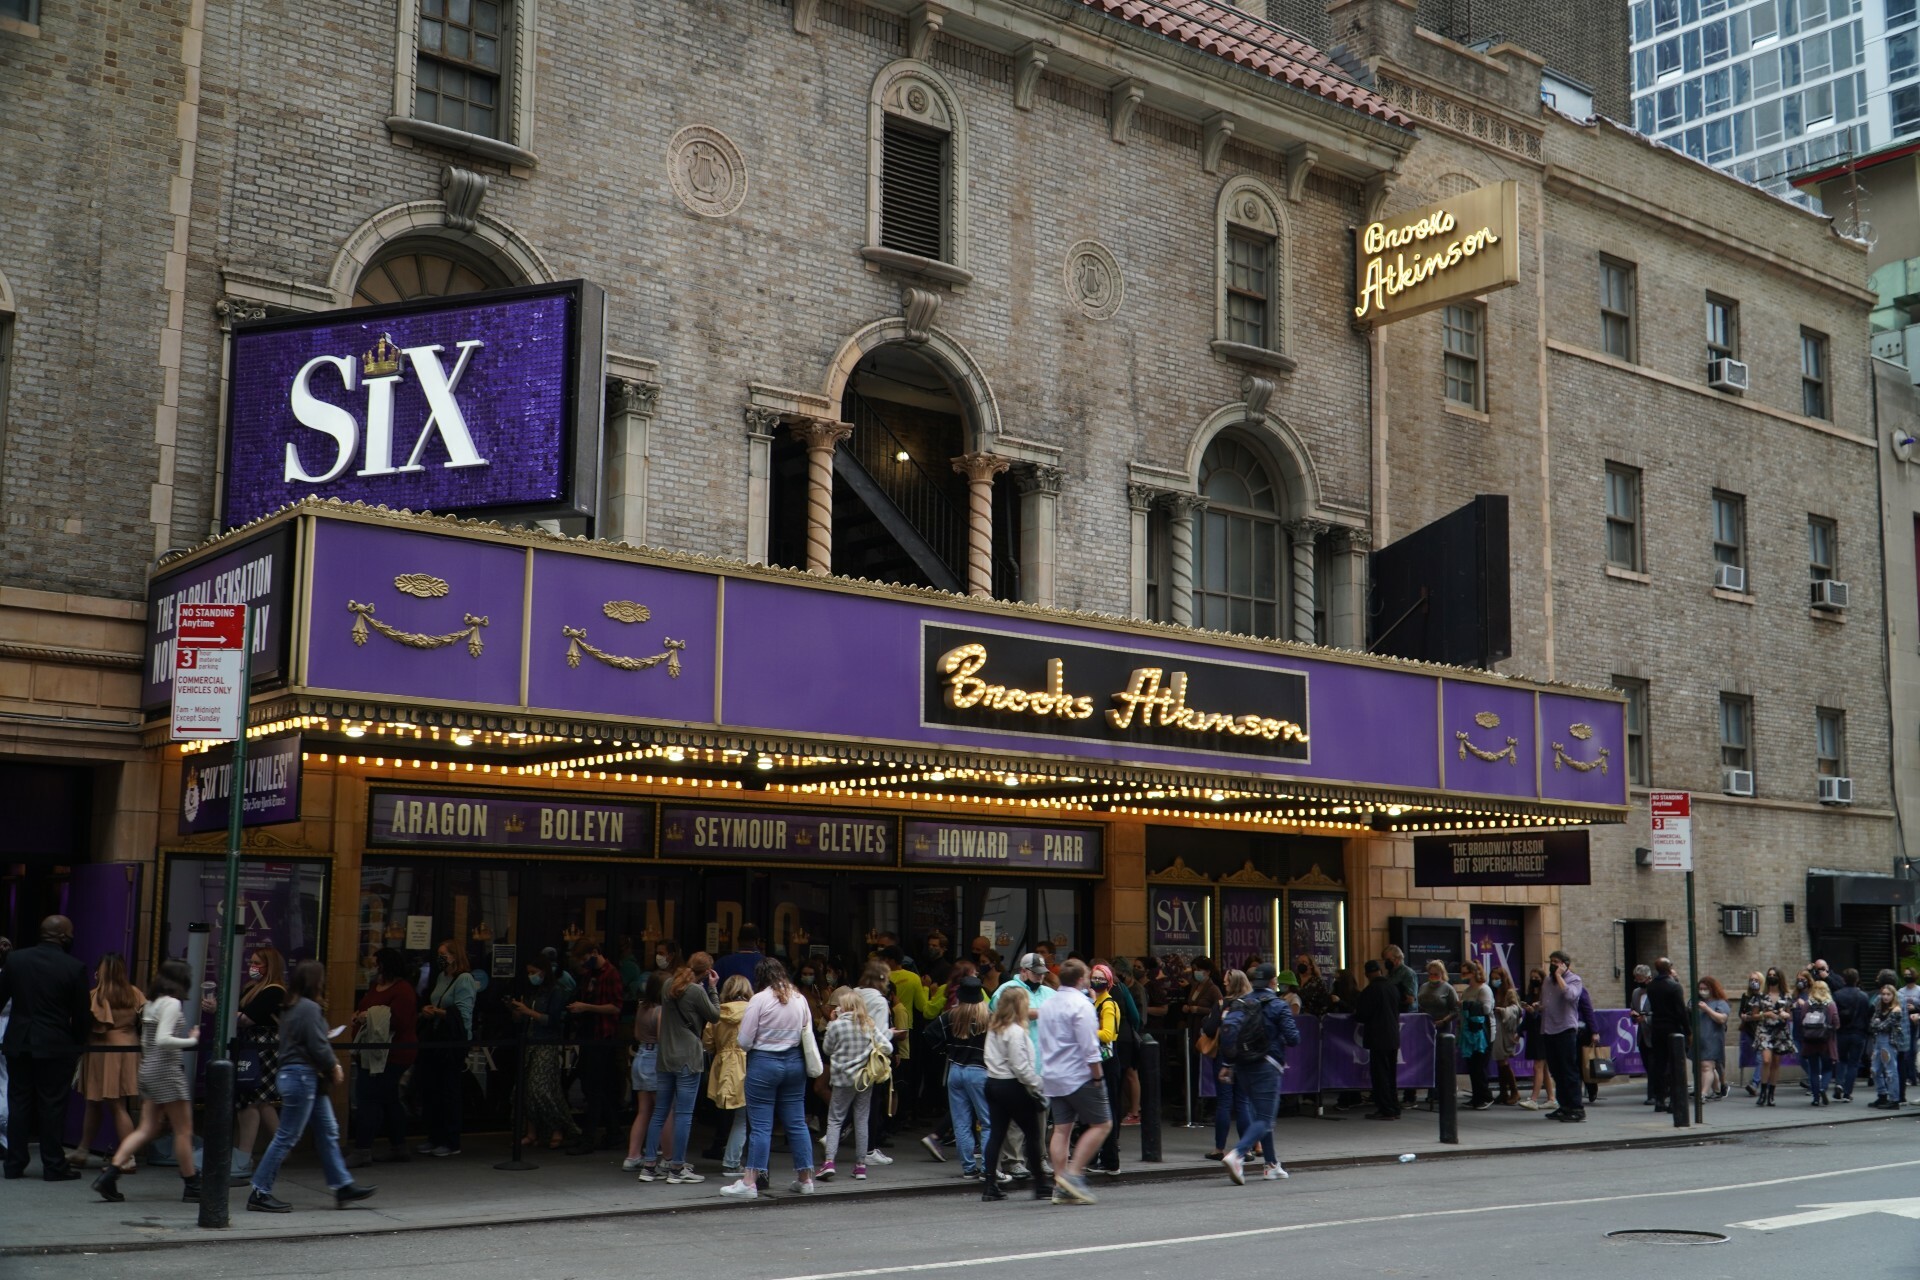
(1678, 1069)
(514, 1163)
(216, 1163)
(1149, 1069)
(1186, 1062)
(1446, 1088)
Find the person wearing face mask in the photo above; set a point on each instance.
(1909, 994)
(1666, 1018)
(377, 1109)
(544, 1010)
(1710, 999)
(595, 1021)
(666, 957)
(257, 1025)
(1749, 1015)
(1772, 1033)
(1029, 976)
(1507, 1015)
(446, 1024)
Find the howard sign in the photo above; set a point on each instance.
(484, 402)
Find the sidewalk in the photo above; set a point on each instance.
(466, 1190)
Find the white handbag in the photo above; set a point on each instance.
(811, 1049)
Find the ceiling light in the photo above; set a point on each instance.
(356, 731)
(900, 456)
(463, 739)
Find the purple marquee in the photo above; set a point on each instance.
(485, 402)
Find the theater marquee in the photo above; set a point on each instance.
(1426, 258)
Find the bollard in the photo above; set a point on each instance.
(514, 1163)
(1148, 1065)
(1678, 1069)
(1446, 1087)
(216, 1155)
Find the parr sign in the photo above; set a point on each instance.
(1427, 258)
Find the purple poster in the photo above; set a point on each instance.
(256, 572)
(535, 824)
(272, 792)
(1313, 928)
(1501, 858)
(1345, 1062)
(779, 836)
(1496, 937)
(1177, 918)
(481, 402)
(1246, 926)
(1303, 1059)
(280, 906)
(986, 846)
(1616, 1030)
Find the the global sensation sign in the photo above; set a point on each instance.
(478, 402)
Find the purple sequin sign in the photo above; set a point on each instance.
(465, 406)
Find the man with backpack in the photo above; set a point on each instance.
(1255, 1032)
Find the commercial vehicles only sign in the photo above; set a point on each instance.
(1672, 830)
(209, 672)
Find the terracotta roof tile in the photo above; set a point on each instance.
(1249, 42)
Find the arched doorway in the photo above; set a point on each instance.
(899, 508)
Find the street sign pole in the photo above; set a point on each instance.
(1693, 970)
(1671, 813)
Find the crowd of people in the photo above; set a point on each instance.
(1023, 1073)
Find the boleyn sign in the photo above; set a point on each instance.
(480, 402)
(1426, 258)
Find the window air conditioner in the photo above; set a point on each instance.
(1737, 782)
(1730, 577)
(1727, 375)
(1739, 922)
(1828, 594)
(1836, 791)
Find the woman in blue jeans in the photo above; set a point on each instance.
(684, 1016)
(962, 1031)
(777, 1021)
(1226, 1106)
(304, 1055)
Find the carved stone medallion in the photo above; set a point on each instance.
(709, 173)
(1093, 280)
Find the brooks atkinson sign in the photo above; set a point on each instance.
(1426, 258)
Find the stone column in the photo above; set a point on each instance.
(1303, 538)
(1140, 510)
(821, 436)
(623, 503)
(1181, 510)
(980, 469)
(760, 427)
(1038, 484)
(1347, 625)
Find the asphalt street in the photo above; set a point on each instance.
(1800, 1202)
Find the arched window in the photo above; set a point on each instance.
(416, 269)
(1240, 574)
(1251, 322)
(917, 175)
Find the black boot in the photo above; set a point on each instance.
(992, 1191)
(1769, 1090)
(344, 1196)
(264, 1202)
(108, 1184)
(1042, 1188)
(190, 1188)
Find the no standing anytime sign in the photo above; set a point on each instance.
(209, 672)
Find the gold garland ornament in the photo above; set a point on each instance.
(577, 641)
(363, 618)
(1510, 753)
(1582, 732)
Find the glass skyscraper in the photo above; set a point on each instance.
(1768, 88)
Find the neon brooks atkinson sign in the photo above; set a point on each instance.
(1427, 258)
(478, 402)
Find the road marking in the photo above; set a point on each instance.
(1829, 1212)
(1171, 1241)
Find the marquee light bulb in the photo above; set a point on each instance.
(356, 731)
(463, 739)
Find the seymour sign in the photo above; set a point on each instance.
(486, 401)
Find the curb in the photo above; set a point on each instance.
(1693, 1136)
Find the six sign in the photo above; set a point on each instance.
(1672, 830)
(209, 672)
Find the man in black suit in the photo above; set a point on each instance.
(1666, 1018)
(48, 1028)
(1377, 1010)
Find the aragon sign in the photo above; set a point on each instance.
(1427, 258)
(478, 402)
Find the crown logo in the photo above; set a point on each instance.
(921, 844)
(803, 837)
(383, 361)
(513, 824)
(1026, 848)
(674, 832)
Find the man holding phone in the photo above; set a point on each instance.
(1560, 1028)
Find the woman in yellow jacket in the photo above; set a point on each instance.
(1108, 1010)
(727, 1081)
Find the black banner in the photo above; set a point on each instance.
(1501, 858)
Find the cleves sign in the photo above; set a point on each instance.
(1021, 684)
(1424, 259)
(478, 402)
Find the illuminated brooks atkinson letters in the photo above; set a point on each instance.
(376, 373)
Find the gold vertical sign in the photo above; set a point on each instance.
(1426, 258)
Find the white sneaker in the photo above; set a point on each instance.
(684, 1173)
(1276, 1173)
(1021, 1171)
(806, 1188)
(741, 1190)
(631, 1164)
(1236, 1168)
(1528, 1104)
(877, 1156)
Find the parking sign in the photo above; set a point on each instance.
(209, 672)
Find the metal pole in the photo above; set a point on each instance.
(1693, 972)
(1446, 1087)
(514, 1163)
(1677, 1079)
(218, 1152)
(1186, 1059)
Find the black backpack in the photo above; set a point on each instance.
(1245, 1036)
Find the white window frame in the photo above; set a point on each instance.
(513, 146)
(1250, 205)
(1832, 765)
(914, 92)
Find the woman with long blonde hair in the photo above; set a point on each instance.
(1014, 1092)
(164, 1095)
(850, 1041)
(109, 1075)
(1232, 986)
